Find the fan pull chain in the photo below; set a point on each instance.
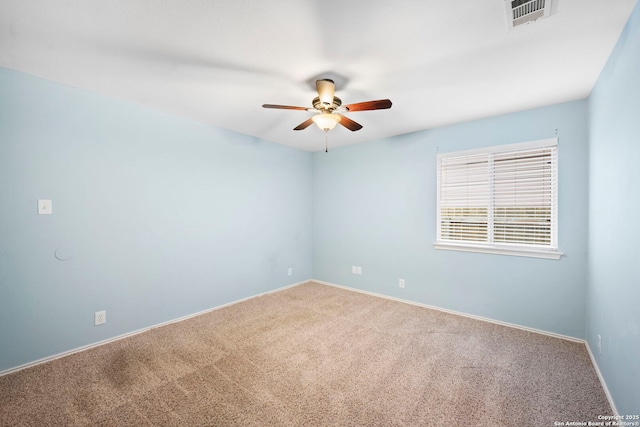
(326, 142)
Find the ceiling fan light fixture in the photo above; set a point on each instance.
(326, 121)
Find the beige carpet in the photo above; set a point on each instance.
(314, 355)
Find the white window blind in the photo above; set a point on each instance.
(500, 199)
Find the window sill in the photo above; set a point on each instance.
(525, 252)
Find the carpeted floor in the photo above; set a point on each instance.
(314, 355)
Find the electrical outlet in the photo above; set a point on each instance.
(290, 271)
(45, 207)
(100, 318)
(599, 344)
(354, 269)
(401, 283)
(358, 270)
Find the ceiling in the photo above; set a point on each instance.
(439, 61)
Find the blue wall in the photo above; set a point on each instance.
(614, 203)
(375, 207)
(166, 216)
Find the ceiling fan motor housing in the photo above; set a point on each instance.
(318, 105)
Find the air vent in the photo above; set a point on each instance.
(521, 12)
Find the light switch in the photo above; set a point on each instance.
(45, 207)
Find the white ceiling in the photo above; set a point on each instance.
(439, 61)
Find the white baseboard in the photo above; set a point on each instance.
(458, 313)
(602, 382)
(139, 331)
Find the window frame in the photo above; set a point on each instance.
(548, 252)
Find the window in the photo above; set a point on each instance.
(500, 200)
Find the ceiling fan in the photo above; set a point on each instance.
(330, 110)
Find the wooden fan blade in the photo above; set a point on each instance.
(303, 125)
(283, 107)
(349, 124)
(381, 104)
